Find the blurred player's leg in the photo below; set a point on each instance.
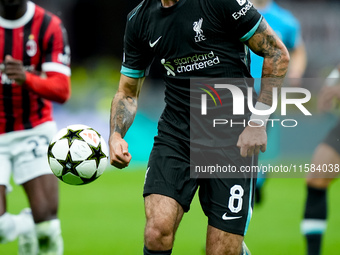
(42, 193)
(28, 243)
(49, 237)
(2, 199)
(314, 224)
(261, 178)
(163, 215)
(315, 218)
(10, 225)
(245, 250)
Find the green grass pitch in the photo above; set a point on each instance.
(107, 217)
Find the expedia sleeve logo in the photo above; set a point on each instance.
(243, 11)
(241, 2)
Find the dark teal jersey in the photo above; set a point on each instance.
(191, 39)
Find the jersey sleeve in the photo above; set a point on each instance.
(137, 57)
(243, 18)
(57, 53)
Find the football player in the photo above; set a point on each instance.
(35, 59)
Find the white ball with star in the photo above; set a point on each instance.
(78, 154)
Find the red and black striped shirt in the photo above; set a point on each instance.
(39, 39)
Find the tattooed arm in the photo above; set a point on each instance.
(275, 60)
(265, 43)
(123, 112)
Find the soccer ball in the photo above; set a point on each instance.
(77, 154)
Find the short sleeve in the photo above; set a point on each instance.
(137, 57)
(56, 52)
(244, 18)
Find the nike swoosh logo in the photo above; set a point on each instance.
(225, 217)
(155, 42)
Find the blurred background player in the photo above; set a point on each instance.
(328, 152)
(287, 27)
(35, 58)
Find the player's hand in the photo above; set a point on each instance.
(15, 70)
(327, 96)
(252, 140)
(119, 153)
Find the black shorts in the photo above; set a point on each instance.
(333, 138)
(227, 202)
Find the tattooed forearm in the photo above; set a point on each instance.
(123, 112)
(276, 58)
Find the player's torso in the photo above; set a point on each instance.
(190, 39)
(19, 108)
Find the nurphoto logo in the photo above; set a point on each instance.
(238, 103)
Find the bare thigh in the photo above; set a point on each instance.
(42, 193)
(222, 243)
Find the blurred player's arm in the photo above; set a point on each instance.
(329, 95)
(265, 43)
(56, 86)
(298, 62)
(123, 112)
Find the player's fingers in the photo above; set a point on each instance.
(257, 150)
(124, 158)
(13, 76)
(263, 147)
(122, 154)
(9, 60)
(114, 152)
(13, 63)
(122, 150)
(239, 143)
(127, 157)
(250, 151)
(117, 149)
(125, 149)
(12, 70)
(244, 151)
(118, 164)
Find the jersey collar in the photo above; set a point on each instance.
(12, 24)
